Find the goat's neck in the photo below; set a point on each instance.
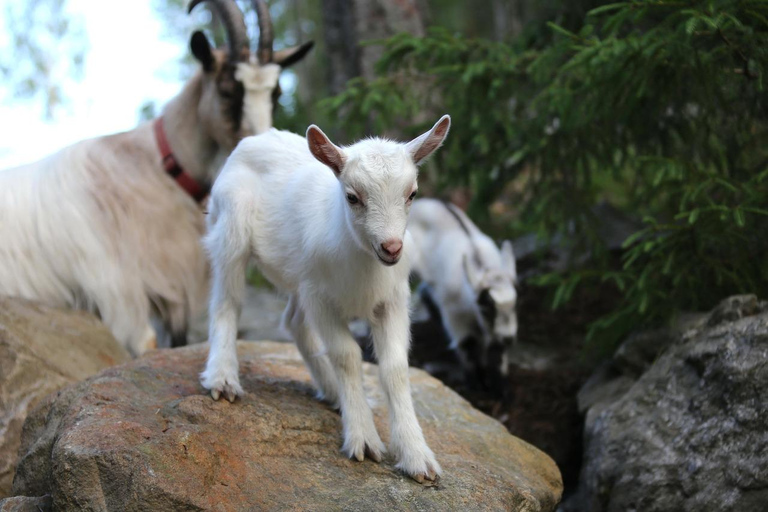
(196, 152)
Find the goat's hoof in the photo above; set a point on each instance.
(222, 383)
(372, 454)
(228, 394)
(429, 478)
(368, 451)
(147, 343)
(227, 390)
(359, 449)
(421, 466)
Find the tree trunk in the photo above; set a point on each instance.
(340, 43)
(507, 19)
(347, 23)
(380, 19)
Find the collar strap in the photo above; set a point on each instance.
(172, 167)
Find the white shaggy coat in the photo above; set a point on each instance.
(334, 237)
(101, 226)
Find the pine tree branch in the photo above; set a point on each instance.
(740, 53)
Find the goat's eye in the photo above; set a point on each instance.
(412, 196)
(352, 199)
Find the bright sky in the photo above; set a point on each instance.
(122, 72)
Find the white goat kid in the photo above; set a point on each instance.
(104, 225)
(470, 280)
(330, 234)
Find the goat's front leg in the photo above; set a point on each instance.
(391, 338)
(360, 435)
(228, 262)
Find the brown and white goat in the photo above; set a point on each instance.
(113, 224)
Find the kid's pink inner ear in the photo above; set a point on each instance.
(433, 140)
(324, 150)
(427, 148)
(442, 128)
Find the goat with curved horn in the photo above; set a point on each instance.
(234, 24)
(266, 35)
(141, 266)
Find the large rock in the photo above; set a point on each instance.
(42, 350)
(691, 432)
(146, 436)
(26, 504)
(611, 380)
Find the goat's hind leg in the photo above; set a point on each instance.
(123, 306)
(312, 350)
(177, 324)
(344, 354)
(229, 256)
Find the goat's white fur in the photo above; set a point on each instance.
(273, 201)
(259, 82)
(101, 226)
(457, 265)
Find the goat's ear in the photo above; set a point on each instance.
(201, 49)
(324, 150)
(471, 273)
(426, 144)
(508, 262)
(290, 56)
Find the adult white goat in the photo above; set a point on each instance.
(101, 225)
(469, 280)
(331, 236)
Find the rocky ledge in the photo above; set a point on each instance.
(145, 436)
(43, 349)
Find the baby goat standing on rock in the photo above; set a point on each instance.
(330, 234)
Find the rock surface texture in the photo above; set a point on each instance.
(691, 432)
(26, 504)
(42, 350)
(145, 436)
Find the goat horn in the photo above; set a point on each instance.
(266, 35)
(232, 18)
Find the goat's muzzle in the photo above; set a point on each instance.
(392, 247)
(389, 251)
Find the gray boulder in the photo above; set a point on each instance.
(682, 428)
(26, 504)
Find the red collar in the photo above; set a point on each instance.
(172, 167)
